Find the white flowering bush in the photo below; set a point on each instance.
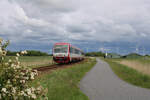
(14, 78)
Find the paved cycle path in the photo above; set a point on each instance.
(102, 84)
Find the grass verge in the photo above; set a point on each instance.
(33, 61)
(130, 75)
(63, 84)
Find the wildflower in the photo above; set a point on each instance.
(22, 73)
(14, 90)
(33, 96)
(18, 54)
(39, 88)
(17, 58)
(12, 65)
(28, 91)
(6, 64)
(22, 93)
(3, 90)
(17, 76)
(35, 72)
(1, 52)
(26, 78)
(32, 89)
(32, 76)
(17, 66)
(18, 63)
(23, 81)
(14, 80)
(8, 81)
(10, 60)
(23, 52)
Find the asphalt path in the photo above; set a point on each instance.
(102, 84)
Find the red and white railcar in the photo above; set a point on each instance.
(65, 53)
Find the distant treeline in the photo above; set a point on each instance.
(114, 55)
(30, 53)
(94, 54)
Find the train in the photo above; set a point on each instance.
(66, 53)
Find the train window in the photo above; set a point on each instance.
(76, 51)
(71, 50)
(80, 53)
(61, 49)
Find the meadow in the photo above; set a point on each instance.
(34, 61)
(62, 84)
(133, 70)
(141, 64)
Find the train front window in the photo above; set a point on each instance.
(61, 49)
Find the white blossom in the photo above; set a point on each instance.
(17, 58)
(17, 66)
(32, 89)
(18, 54)
(10, 60)
(14, 90)
(26, 78)
(24, 52)
(13, 65)
(28, 91)
(32, 75)
(6, 64)
(8, 81)
(4, 90)
(16, 78)
(33, 96)
(22, 73)
(1, 52)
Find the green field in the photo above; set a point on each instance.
(134, 71)
(34, 61)
(62, 84)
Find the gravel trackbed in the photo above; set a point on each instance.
(102, 84)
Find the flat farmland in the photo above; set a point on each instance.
(34, 61)
(140, 64)
(135, 71)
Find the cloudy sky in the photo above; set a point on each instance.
(116, 25)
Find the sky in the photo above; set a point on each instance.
(118, 26)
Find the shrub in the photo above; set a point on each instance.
(14, 79)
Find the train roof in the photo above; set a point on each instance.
(61, 43)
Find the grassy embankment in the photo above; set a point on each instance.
(62, 84)
(34, 61)
(134, 71)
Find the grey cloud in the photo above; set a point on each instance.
(42, 21)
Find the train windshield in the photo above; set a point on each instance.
(61, 49)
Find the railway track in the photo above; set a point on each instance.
(55, 66)
(51, 67)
